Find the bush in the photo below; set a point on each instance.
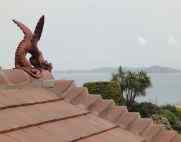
(146, 109)
(107, 89)
(171, 108)
(178, 113)
(177, 126)
(172, 118)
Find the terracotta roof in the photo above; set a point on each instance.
(58, 111)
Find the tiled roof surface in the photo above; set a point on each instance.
(39, 111)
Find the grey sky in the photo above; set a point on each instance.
(83, 34)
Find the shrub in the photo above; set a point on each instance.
(107, 89)
(171, 108)
(178, 113)
(146, 109)
(172, 118)
(177, 126)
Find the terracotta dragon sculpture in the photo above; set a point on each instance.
(29, 44)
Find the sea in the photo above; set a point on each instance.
(165, 89)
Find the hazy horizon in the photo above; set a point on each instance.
(86, 34)
(107, 68)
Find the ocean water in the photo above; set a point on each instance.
(166, 88)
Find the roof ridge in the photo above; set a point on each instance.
(130, 121)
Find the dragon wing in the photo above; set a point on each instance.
(39, 28)
(27, 32)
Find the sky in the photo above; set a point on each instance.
(85, 34)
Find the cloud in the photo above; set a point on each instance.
(172, 41)
(142, 41)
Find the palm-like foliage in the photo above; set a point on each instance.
(133, 84)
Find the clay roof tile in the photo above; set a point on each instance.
(32, 110)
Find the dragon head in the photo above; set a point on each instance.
(30, 44)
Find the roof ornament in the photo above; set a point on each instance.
(29, 45)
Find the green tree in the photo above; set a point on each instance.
(133, 84)
(107, 89)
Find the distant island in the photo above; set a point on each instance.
(159, 69)
(151, 69)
